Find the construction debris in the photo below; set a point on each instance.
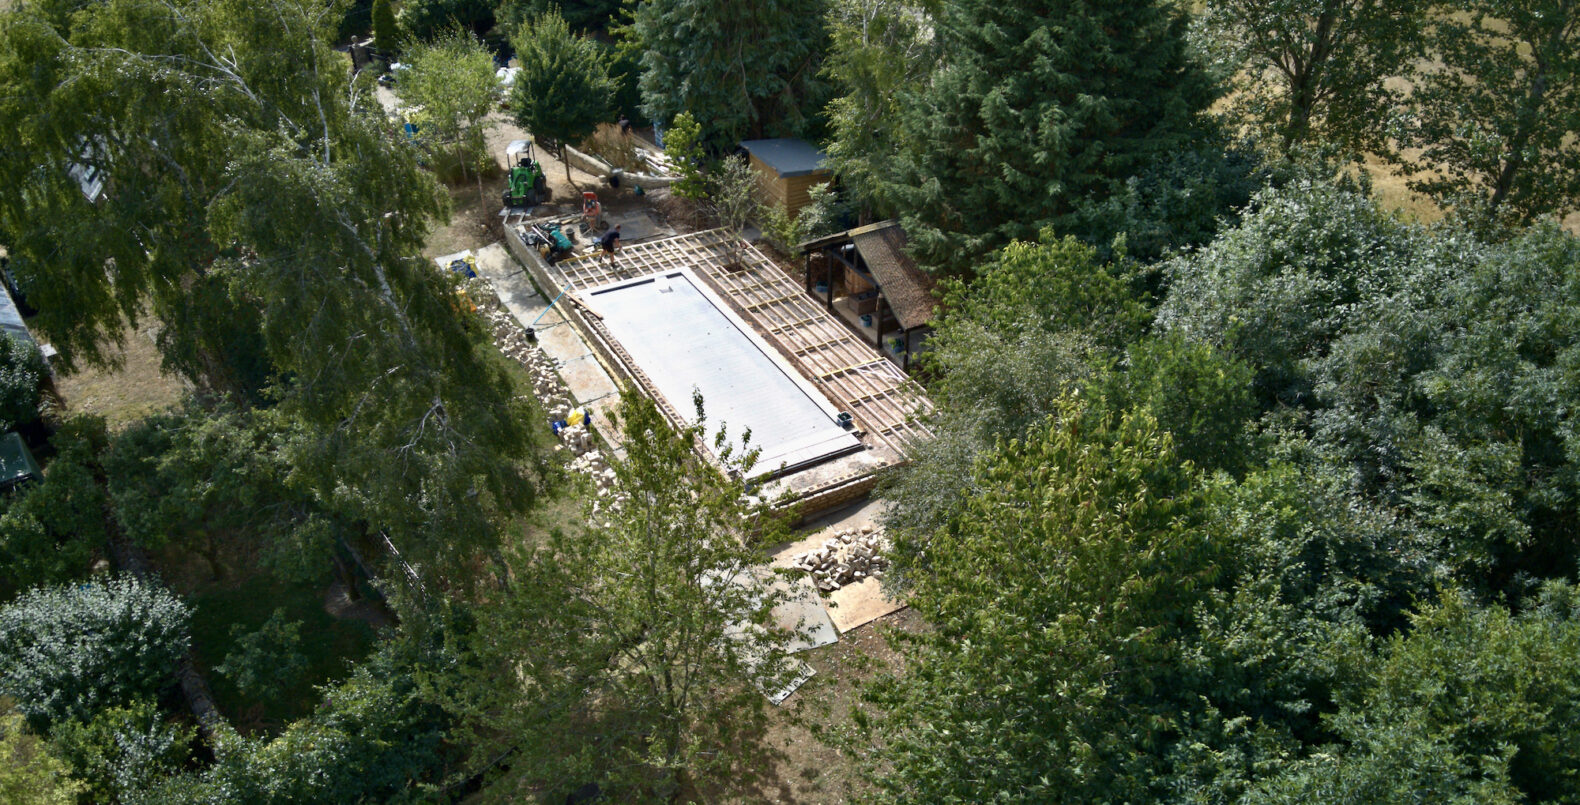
(576, 434)
(845, 558)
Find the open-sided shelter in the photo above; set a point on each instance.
(865, 276)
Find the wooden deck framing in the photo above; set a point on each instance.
(884, 401)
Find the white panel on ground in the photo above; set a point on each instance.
(682, 339)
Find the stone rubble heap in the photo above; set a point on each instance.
(846, 558)
(511, 338)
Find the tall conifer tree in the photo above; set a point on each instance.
(747, 71)
(1037, 112)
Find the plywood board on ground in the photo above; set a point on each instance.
(859, 604)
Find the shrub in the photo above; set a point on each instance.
(68, 652)
(21, 376)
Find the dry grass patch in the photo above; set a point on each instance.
(124, 394)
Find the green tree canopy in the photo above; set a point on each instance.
(427, 19)
(1495, 122)
(452, 79)
(386, 31)
(266, 661)
(123, 751)
(878, 50)
(1059, 593)
(294, 190)
(373, 739)
(1436, 367)
(1035, 113)
(30, 774)
(1279, 288)
(22, 374)
(1305, 70)
(669, 606)
(563, 90)
(583, 16)
(1473, 705)
(49, 532)
(745, 73)
(684, 147)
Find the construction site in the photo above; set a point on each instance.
(675, 316)
(806, 369)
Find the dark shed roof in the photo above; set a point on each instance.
(788, 157)
(907, 289)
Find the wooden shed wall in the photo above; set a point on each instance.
(788, 193)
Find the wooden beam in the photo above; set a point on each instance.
(877, 324)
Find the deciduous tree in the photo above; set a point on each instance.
(50, 532)
(22, 374)
(452, 79)
(426, 19)
(669, 606)
(220, 162)
(1474, 704)
(30, 774)
(732, 193)
(67, 652)
(583, 16)
(1495, 121)
(563, 90)
(1060, 595)
(684, 147)
(123, 751)
(1308, 70)
(266, 661)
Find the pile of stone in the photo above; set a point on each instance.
(511, 338)
(846, 558)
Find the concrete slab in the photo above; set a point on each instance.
(861, 603)
(863, 513)
(636, 225)
(792, 616)
(603, 423)
(586, 378)
(802, 615)
(561, 342)
(514, 287)
(527, 306)
(495, 260)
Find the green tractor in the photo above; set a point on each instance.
(525, 184)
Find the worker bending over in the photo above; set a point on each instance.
(611, 243)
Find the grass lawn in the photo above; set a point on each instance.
(329, 644)
(129, 392)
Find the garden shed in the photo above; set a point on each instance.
(787, 170)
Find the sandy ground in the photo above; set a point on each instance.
(474, 216)
(798, 766)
